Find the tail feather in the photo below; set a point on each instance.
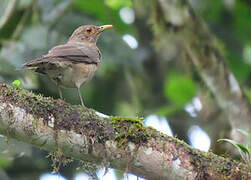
(33, 64)
(26, 66)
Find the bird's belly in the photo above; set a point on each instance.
(77, 74)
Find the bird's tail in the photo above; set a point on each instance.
(33, 64)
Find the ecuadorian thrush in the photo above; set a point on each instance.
(74, 63)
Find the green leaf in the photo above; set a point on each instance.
(246, 134)
(115, 4)
(179, 89)
(16, 83)
(241, 147)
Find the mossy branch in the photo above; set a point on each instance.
(123, 143)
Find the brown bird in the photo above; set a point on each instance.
(74, 63)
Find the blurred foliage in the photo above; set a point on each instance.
(4, 162)
(241, 19)
(118, 4)
(129, 82)
(230, 21)
(248, 92)
(106, 12)
(179, 89)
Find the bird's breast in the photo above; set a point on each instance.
(77, 74)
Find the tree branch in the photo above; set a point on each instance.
(176, 19)
(123, 142)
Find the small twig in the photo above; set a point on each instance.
(8, 13)
(29, 10)
(21, 24)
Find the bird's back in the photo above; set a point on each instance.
(70, 64)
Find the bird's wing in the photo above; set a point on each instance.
(76, 53)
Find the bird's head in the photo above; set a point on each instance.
(89, 33)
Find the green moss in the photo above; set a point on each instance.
(65, 116)
(90, 168)
(83, 121)
(130, 129)
(207, 162)
(99, 130)
(58, 160)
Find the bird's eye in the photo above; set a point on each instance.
(89, 30)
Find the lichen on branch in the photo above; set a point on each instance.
(122, 143)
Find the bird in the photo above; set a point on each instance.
(74, 63)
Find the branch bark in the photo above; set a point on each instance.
(123, 142)
(176, 19)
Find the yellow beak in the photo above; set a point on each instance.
(105, 27)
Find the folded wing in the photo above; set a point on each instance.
(73, 52)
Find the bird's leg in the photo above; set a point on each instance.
(60, 92)
(80, 96)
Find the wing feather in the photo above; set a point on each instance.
(74, 52)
